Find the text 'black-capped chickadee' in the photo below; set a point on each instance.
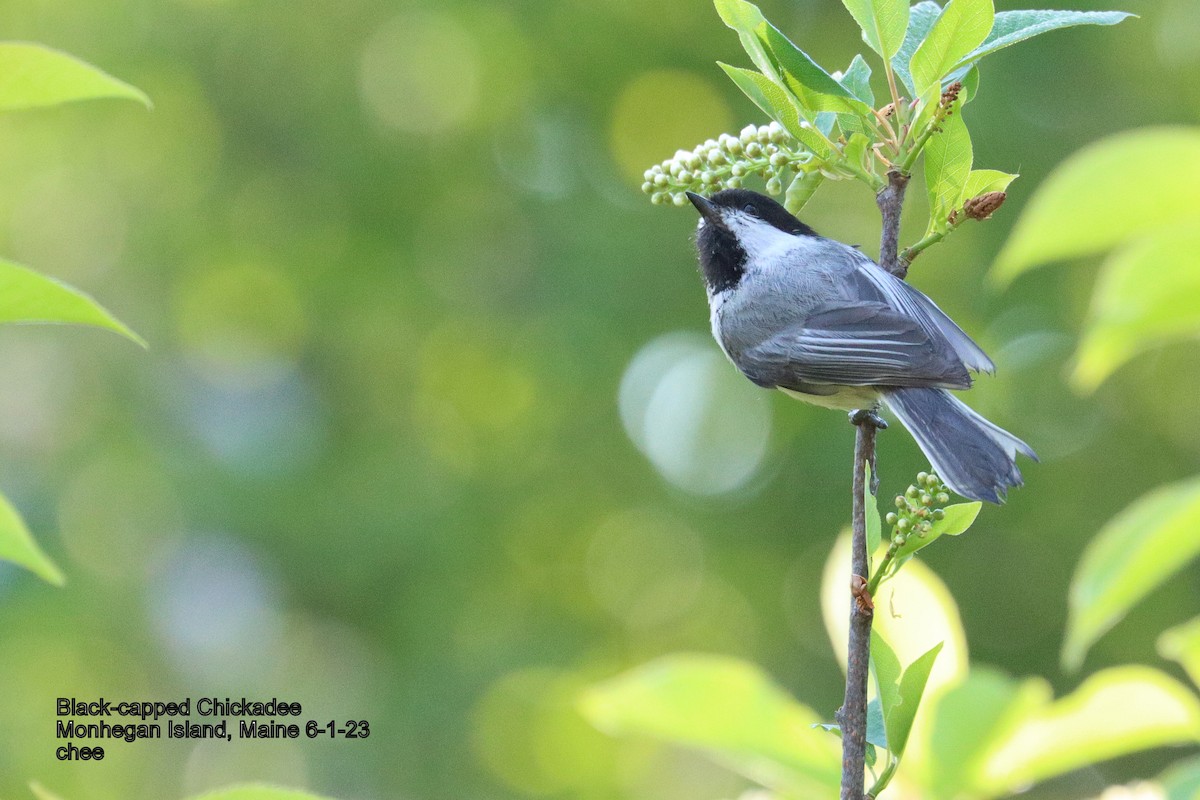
(823, 322)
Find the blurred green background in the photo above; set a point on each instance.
(431, 432)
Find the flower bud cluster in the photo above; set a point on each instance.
(767, 151)
(918, 508)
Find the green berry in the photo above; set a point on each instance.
(899, 539)
(774, 186)
(900, 502)
(647, 187)
(680, 199)
(738, 170)
(903, 524)
(684, 176)
(890, 519)
(694, 162)
(658, 198)
(939, 514)
(911, 493)
(923, 478)
(926, 499)
(778, 160)
(661, 180)
(943, 498)
(753, 149)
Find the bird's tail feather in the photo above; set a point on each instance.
(975, 458)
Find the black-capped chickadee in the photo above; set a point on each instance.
(823, 322)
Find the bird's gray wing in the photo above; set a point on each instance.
(874, 283)
(864, 344)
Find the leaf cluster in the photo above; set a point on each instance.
(833, 126)
(34, 76)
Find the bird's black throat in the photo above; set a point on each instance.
(722, 259)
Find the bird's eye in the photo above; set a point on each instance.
(750, 209)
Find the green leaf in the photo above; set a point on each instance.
(257, 791)
(28, 296)
(968, 721)
(1181, 781)
(871, 512)
(812, 86)
(857, 80)
(1113, 713)
(746, 19)
(18, 546)
(948, 159)
(727, 708)
(920, 21)
(801, 189)
(876, 730)
(775, 103)
(1182, 644)
(1121, 187)
(33, 75)
(958, 519)
(1134, 553)
(1145, 297)
(885, 667)
(962, 27)
(982, 181)
(883, 23)
(1016, 26)
(912, 687)
(970, 83)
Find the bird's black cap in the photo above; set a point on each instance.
(758, 205)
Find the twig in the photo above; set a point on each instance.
(853, 714)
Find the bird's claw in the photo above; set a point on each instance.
(864, 416)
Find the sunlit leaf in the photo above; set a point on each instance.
(42, 793)
(1011, 27)
(801, 190)
(815, 88)
(257, 791)
(28, 296)
(982, 181)
(1113, 713)
(1182, 644)
(18, 546)
(883, 23)
(967, 722)
(1121, 187)
(33, 75)
(729, 709)
(948, 158)
(920, 21)
(1145, 297)
(1135, 552)
(913, 612)
(775, 103)
(746, 19)
(962, 26)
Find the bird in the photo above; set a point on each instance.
(822, 322)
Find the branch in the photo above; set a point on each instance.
(853, 715)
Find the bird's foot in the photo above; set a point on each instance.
(868, 416)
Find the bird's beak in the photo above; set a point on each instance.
(704, 206)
